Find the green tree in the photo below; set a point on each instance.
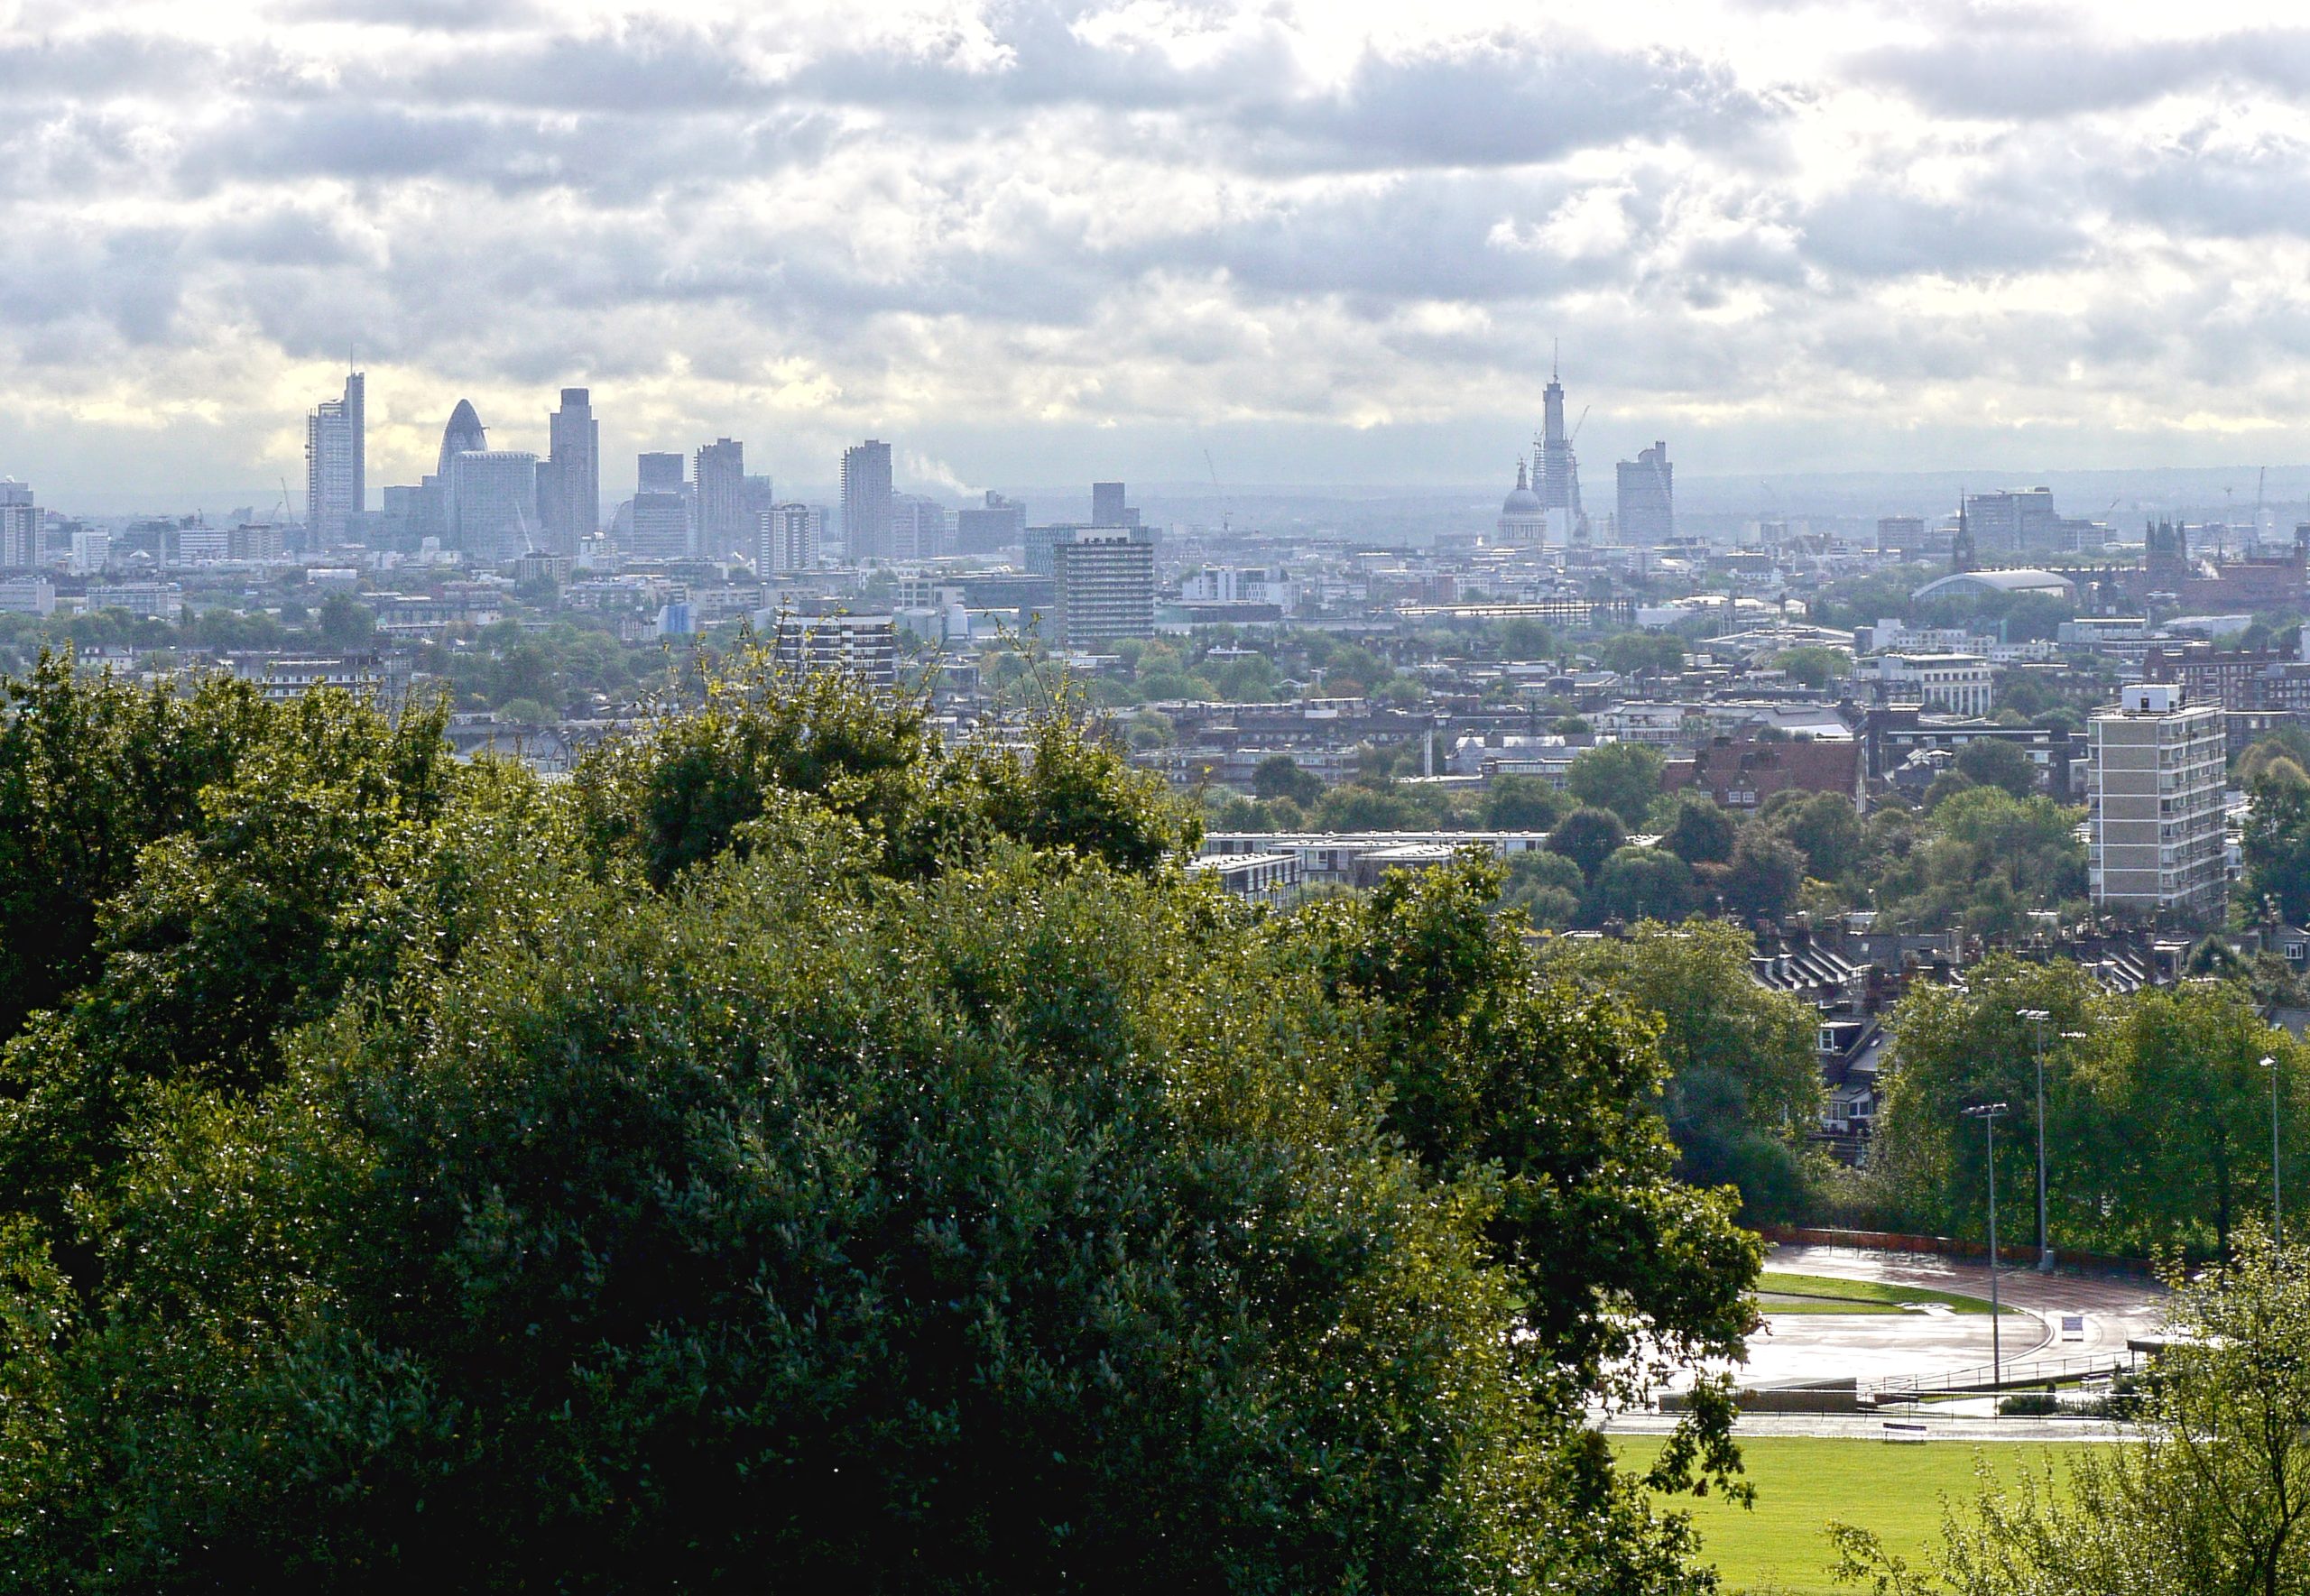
(1642, 884)
(1992, 762)
(1633, 652)
(1280, 775)
(1824, 827)
(1622, 777)
(1700, 833)
(1764, 876)
(2276, 845)
(831, 1154)
(1587, 837)
(1744, 1082)
(92, 769)
(1523, 803)
(345, 622)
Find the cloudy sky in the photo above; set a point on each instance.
(1036, 243)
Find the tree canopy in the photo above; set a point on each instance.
(795, 1152)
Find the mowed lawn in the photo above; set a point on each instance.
(1802, 1486)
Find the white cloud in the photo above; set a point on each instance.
(1021, 229)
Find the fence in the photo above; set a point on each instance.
(2089, 1263)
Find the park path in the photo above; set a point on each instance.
(1817, 1349)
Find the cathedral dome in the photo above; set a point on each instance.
(1520, 500)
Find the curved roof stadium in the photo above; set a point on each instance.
(1978, 582)
(463, 434)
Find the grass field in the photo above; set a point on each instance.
(1802, 1485)
(1824, 1294)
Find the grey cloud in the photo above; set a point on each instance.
(1512, 103)
(2055, 74)
(101, 64)
(129, 284)
(1873, 232)
(446, 16)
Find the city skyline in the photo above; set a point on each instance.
(1046, 241)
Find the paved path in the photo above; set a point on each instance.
(1810, 1349)
(1852, 1426)
(2111, 1310)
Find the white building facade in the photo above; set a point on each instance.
(2155, 804)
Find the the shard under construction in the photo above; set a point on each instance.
(1559, 471)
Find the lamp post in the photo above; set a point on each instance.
(1988, 1113)
(2278, 1206)
(2036, 1018)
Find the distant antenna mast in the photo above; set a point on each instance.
(1215, 488)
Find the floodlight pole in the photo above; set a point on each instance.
(1988, 1113)
(2036, 1018)
(2278, 1204)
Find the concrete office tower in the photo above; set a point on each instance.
(917, 527)
(1104, 584)
(1523, 520)
(983, 529)
(2154, 784)
(658, 526)
(20, 526)
(336, 486)
(1107, 508)
(1559, 470)
(719, 483)
(658, 474)
(866, 501)
(1648, 500)
(569, 490)
(787, 539)
(493, 504)
(1901, 534)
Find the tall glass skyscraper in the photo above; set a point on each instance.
(570, 502)
(494, 502)
(336, 459)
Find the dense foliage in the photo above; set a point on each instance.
(2158, 1109)
(1744, 1085)
(795, 1155)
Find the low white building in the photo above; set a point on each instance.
(1959, 684)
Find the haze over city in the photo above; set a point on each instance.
(1037, 242)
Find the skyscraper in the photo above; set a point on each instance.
(494, 502)
(982, 529)
(1104, 585)
(658, 474)
(867, 500)
(660, 527)
(1647, 504)
(1559, 483)
(720, 480)
(786, 539)
(917, 527)
(1107, 508)
(20, 526)
(336, 459)
(2154, 804)
(569, 497)
(464, 435)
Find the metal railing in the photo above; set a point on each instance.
(1984, 1377)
